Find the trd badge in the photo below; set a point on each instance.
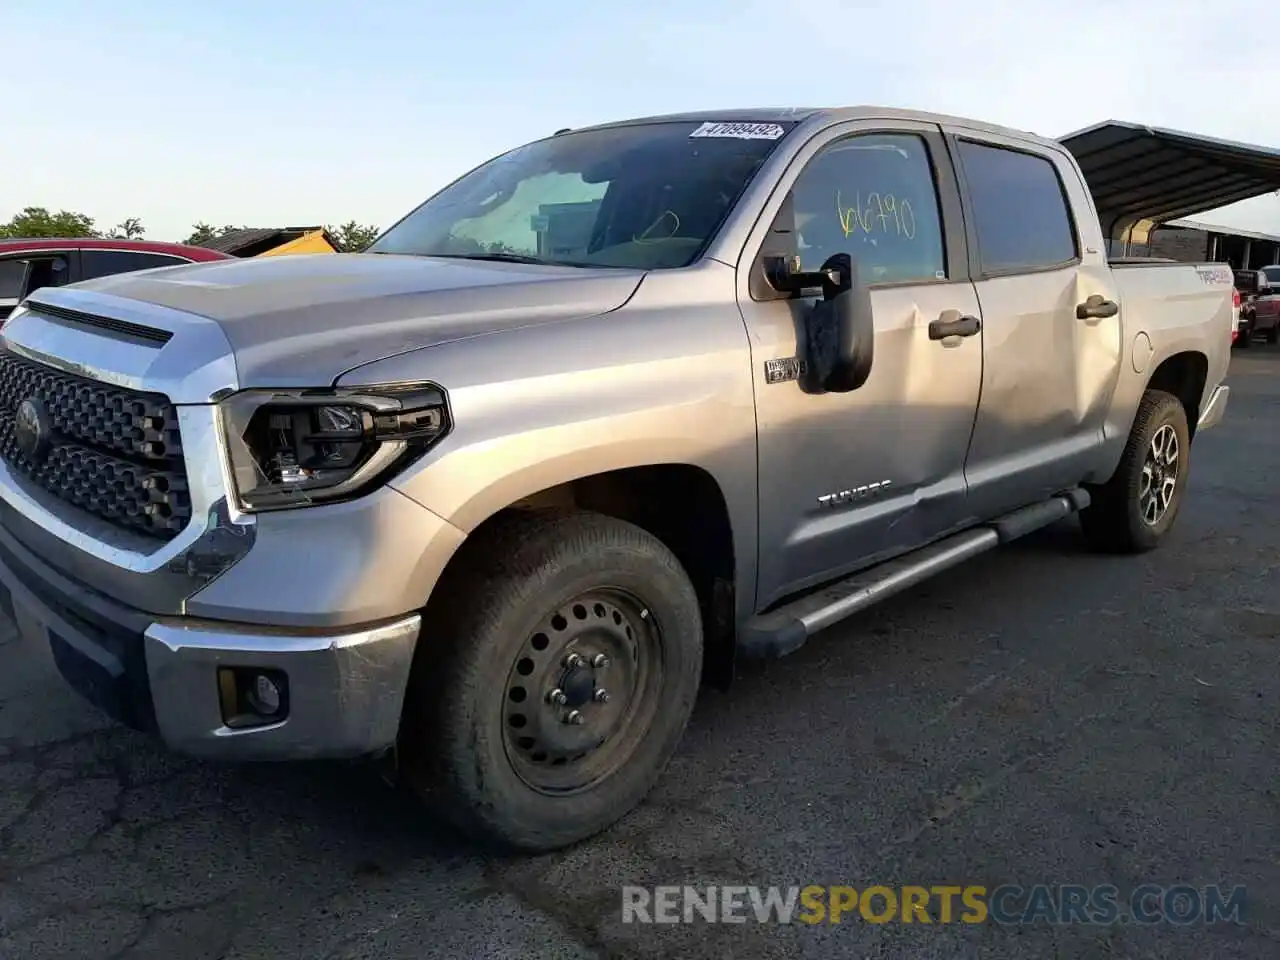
(784, 369)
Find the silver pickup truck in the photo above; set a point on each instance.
(493, 501)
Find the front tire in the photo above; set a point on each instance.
(561, 674)
(1136, 508)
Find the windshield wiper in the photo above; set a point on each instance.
(504, 257)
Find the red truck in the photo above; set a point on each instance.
(29, 264)
(1259, 293)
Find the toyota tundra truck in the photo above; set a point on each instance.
(493, 501)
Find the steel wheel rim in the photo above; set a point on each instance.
(1159, 479)
(582, 692)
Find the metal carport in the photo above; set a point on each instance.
(1142, 176)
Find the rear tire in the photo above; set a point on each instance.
(1135, 509)
(505, 733)
(1273, 334)
(1245, 340)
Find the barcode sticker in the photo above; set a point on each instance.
(739, 131)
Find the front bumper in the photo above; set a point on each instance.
(343, 690)
(1215, 409)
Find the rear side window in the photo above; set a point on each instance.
(104, 263)
(1019, 208)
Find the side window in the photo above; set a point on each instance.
(104, 263)
(873, 197)
(1019, 208)
(11, 274)
(47, 272)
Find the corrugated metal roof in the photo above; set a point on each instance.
(237, 240)
(234, 240)
(1136, 172)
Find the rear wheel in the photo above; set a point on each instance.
(1134, 510)
(567, 664)
(1245, 340)
(1273, 334)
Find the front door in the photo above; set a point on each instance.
(1051, 322)
(846, 479)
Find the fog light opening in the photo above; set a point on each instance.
(252, 696)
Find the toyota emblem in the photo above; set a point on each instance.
(32, 428)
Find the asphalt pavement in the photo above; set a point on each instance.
(1041, 716)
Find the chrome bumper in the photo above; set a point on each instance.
(343, 692)
(1214, 410)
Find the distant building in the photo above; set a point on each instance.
(274, 241)
(1190, 240)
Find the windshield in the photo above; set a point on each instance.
(1272, 274)
(646, 196)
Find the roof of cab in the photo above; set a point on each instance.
(824, 115)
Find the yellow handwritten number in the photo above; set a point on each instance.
(894, 215)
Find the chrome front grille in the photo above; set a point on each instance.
(112, 452)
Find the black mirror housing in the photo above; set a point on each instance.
(841, 331)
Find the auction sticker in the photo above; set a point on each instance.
(740, 131)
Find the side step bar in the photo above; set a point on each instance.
(785, 630)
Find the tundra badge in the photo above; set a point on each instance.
(864, 492)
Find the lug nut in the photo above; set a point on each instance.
(556, 696)
(573, 717)
(573, 661)
(600, 660)
(602, 696)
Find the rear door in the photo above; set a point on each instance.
(846, 479)
(1051, 322)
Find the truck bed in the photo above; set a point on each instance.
(1177, 306)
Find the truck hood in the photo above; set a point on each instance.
(305, 320)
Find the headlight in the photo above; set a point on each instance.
(290, 448)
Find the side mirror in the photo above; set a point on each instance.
(839, 329)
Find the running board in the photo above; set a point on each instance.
(785, 630)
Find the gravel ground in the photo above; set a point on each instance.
(1041, 716)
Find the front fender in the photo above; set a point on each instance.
(532, 409)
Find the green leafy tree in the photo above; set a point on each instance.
(129, 229)
(353, 237)
(40, 222)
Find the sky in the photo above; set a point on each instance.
(298, 113)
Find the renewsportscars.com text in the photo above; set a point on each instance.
(938, 904)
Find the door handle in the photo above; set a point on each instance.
(951, 324)
(1096, 307)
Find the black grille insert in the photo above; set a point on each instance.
(113, 452)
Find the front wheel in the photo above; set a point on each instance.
(1134, 510)
(568, 658)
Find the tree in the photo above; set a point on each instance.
(128, 229)
(353, 237)
(39, 222)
